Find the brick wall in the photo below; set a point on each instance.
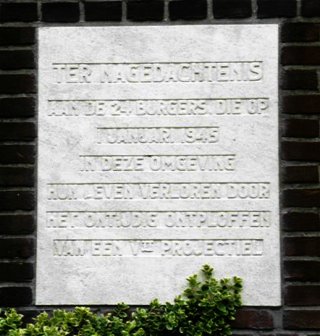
(300, 144)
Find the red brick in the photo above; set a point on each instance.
(302, 246)
(232, 9)
(17, 200)
(17, 83)
(103, 10)
(16, 176)
(300, 151)
(16, 59)
(302, 319)
(301, 197)
(301, 128)
(300, 32)
(300, 80)
(60, 12)
(301, 174)
(17, 131)
(17, 107)
(310, 8)
(302, 295)
(302, 104)
(16, 248)
(302, 270)
(253, 319)
(300, 55)
(145, 10)
(15, 296)
(301, 221)
(276, 8)
(16, 224)
(16, 271)
(17, 154)
(21, 11)
(17, 36)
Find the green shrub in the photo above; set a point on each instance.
(205, 308)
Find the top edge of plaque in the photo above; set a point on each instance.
(161, 26)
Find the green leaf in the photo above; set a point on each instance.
(206, 307)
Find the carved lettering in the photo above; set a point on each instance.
(157, 153)
(158, 107)
(156, 163)
(157, 219)
(130, 73)
(161, 135)
(158, 248)
(136, 191)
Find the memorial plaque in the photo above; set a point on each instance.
(157, 153)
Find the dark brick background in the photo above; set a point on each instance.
(299, 149)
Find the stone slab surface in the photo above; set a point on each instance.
(157, 153)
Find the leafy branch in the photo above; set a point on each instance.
(206, 307)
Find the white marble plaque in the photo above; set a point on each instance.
(157, 153)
